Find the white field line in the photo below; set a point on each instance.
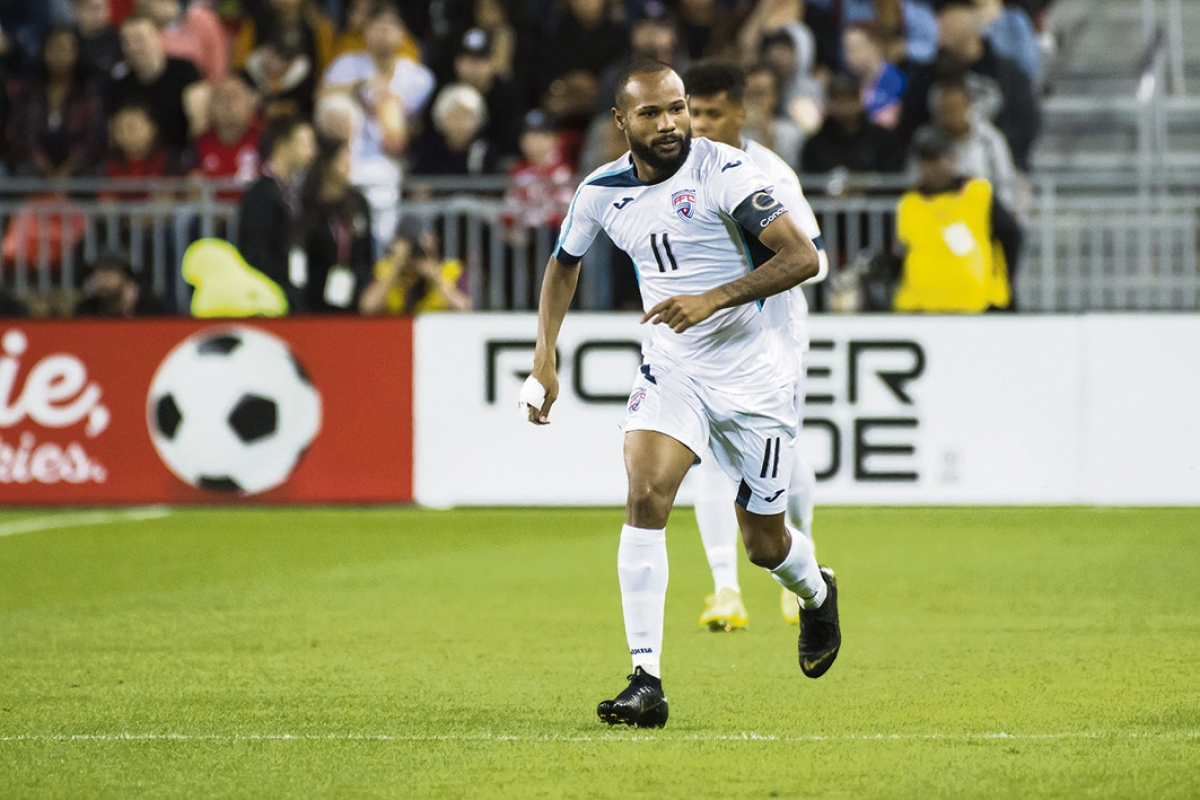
(80, 519)
(490, 737)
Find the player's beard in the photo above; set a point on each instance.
(667, 165)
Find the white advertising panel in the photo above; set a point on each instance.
(900, 410)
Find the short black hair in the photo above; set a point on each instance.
(844, 85)
(930, 144)
(639, 66)
(711, 77)
(279, 129)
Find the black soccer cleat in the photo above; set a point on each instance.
(642, 703)
(820, 632)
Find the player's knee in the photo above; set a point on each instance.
(648, 504)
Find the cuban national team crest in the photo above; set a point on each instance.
(684, 203)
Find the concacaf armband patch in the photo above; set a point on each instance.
(758, 211)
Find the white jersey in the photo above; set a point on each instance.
(787, 190)
(686, 235)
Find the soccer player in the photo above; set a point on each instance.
(716, 101)
(713, 250)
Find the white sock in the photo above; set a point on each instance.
(800, 573)
(642, 568)
(718, 523)
(800, 495)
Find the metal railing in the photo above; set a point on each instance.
(52, 231)
(1117, 241)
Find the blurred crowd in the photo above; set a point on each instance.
(322, 110)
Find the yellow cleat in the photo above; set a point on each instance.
(789, 604)
(724, 611)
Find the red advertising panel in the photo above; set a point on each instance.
(313, 410)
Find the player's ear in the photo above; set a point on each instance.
(618, 117)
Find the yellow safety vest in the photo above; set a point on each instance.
(952, 264)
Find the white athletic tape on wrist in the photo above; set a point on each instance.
(533, 395)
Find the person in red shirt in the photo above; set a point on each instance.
(540, 188)
(136, 151)
(540, 185)
(229, 148)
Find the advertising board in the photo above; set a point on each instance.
(183, 411)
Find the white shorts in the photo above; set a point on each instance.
(752, 435)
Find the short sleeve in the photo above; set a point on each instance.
(745, 193)
(579, 229)
(344, 69)
(414, 83)
(736, 178)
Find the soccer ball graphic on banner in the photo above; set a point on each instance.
(232, 410)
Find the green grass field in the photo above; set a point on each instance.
(409, 653)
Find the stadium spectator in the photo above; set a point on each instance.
(339, 116)
(284, 78)
(700, 27)
(100, 44)
(776, 33)
(979, 148)
(170, 87)
(270, 208)
(961, 243)
(475, 66)
(113, 290)
(1010, 31)
(586, 40)
(908, 28)
(602, 143)
(411, 279)
(391, 90)
(540, 185)
(1001, 91)
(848, 140)
(652, 35)
(298, 23)
(764, 123)
(882, 82)
(352, 38)
(335, 230)
(11, 306)
(57, 126)
(454, 145)
(229, 148)
(494, 18)
(137, 150)
(190, 31)
(23, 26)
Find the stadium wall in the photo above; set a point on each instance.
(1093, 409)
(1097, 409)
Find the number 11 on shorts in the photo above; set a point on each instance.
(771, 459)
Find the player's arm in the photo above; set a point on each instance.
(795, 261)
(558, 289)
